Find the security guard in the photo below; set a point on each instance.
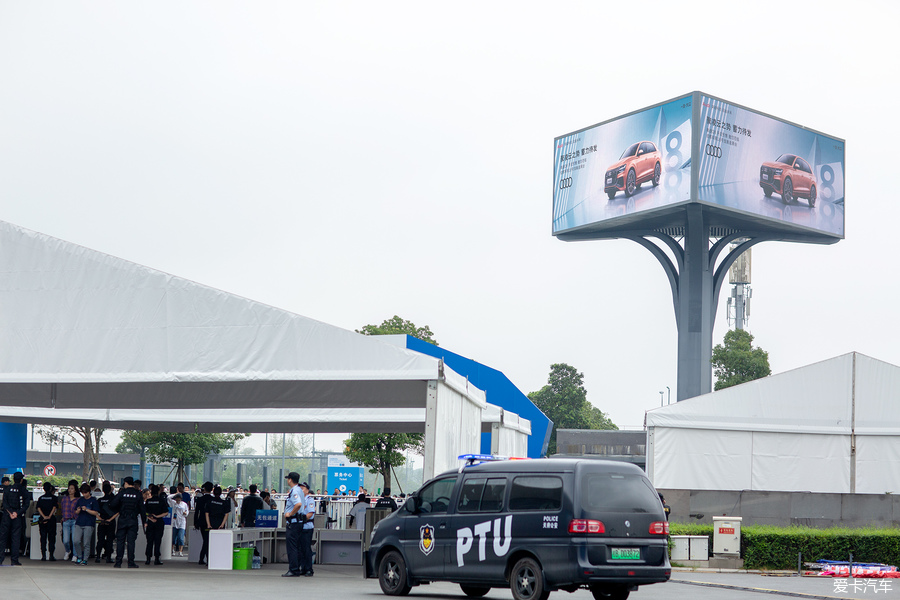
(47, 507)
(156, 509)
(106, 526)
(292, 506)
(307, 517)
(128, 503)
(200, 508)
(15, 501)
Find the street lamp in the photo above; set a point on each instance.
(661, 394)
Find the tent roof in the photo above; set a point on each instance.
(848, 392)
(123, 345)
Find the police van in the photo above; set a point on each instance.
(533, 526)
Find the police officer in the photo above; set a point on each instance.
(129, 505)
(200, 508)
(15, 502)
(307, 518)
(47, 507)
(106, 526)
(156, 509)
(386, 501)
(292, 506)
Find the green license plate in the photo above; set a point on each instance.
(626, 554)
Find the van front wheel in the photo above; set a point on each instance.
(609, 592)
(392, 575)
(527, 581)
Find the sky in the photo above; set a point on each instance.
(351, 161)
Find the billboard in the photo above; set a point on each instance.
(631, 164)
(757, 164)
(343, 475)
(752, 171)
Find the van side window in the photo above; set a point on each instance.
(436, 497)
(536, 493)
(618, 493)
(480, 494)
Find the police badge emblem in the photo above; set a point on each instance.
(426, 539)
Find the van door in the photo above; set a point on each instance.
(426, 535)
(482, 530)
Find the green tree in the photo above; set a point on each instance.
(736, 361)
(381, 451)
(178, 448)
(397, 325)
(564, 401)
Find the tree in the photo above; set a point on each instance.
(381, 451)
(178, 448)
(88, 440)
(397, 325)
(737, 361)
(564, 401)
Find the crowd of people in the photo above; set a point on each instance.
(102, 524)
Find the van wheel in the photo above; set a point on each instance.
(609, 592)
(474, 591)
(527, 581)
(392, 575)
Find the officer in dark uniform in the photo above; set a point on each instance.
(106, 526)
(157, 509)
(15, 500)
(129, 504)
(386, 501)
(47, 507)
(200, 508)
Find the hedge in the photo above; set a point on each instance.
(770, 547)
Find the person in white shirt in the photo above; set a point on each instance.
(179, 522)
(358, 512)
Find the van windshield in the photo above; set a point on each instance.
(618, 493)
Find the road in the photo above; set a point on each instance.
(66, 581)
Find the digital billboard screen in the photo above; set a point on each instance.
(632, 164)
(754, 172)
(761, 165)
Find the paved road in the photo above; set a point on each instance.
(65, 581)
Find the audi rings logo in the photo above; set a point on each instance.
(714, 151)
(565, 183)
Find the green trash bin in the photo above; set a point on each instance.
(243, 559)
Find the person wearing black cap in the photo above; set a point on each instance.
(47, 507)
(15, 501)
(308, 514)
(129, 504)
(292, 506)
(200, 508)
(156, 509)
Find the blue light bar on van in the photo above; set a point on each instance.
(481, 457)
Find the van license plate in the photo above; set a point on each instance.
(626, 554)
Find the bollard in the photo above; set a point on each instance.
(851, 564)
(799, 563)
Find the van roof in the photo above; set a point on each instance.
(551, 465)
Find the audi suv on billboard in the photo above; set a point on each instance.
(790, 176)
(641, 162)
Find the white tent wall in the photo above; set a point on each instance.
(509, 435)
(452, 425)
(795, 431)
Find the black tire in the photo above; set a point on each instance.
(767, 192)
(392, 575)
(609, 592)
(526, 580)
(474, 591)
(812, 196)
(787, 191)
(611, 195)
(657, 173)
(630, 183)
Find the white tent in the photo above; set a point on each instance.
(91, 339)
(832, 426)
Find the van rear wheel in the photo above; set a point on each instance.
(527, 581)
(609, 592)
(474, 591)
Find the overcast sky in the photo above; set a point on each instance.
(351, 161)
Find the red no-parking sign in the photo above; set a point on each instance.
(49, 471)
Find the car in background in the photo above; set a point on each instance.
(532, 526)
(790, 176)
(641, 162)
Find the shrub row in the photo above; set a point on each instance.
(770, 547)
